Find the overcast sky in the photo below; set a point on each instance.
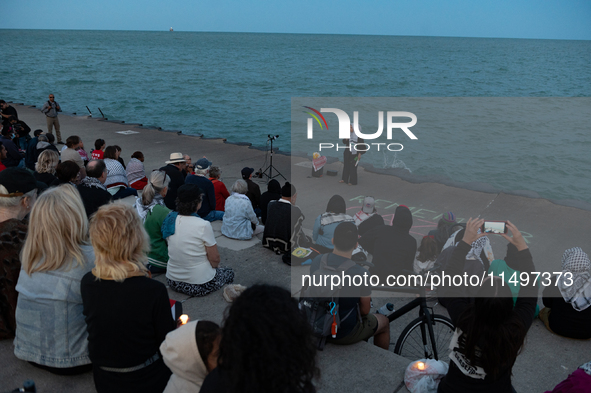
(551, 19)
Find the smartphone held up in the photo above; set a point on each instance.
(494, 227)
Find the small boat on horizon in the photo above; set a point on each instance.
(171, 29)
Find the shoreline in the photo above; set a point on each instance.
(396, 172)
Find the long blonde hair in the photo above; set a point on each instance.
(120, 242)
(58, 227)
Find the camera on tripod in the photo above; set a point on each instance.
(272, 137)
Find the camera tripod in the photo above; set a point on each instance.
(270, 168)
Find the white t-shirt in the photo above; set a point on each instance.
(187, 256)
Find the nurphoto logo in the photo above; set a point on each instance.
(345, 125)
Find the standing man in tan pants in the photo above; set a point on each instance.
(50, 109)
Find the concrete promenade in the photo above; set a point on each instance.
(549, 228)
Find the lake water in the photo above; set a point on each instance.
(240, 86)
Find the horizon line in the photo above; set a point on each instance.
(291, 33)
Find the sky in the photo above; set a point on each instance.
(545, 19)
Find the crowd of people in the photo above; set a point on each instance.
(72, 256)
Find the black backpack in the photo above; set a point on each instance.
(320, 304)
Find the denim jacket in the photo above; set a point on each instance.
(238, 217)
(50, 327)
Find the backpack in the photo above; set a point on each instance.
(320, 304)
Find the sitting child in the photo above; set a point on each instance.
(191, 352)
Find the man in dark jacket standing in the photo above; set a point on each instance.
(393, 248)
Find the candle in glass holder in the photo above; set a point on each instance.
(184, 319)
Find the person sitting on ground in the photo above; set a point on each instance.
(152, 210)
(393, 247)
(191, 352)
(355, 301)
(22, 133)
(254, 191)
(490, 330)
(568, 311)
(119, 158)
(240, 222)
(221, 192)
(6, 111)
(50, 328)
(283, 230)
(200, 178)
(70, 153)
(92, 188)
(83, 154)
(273, 193)
(45, 167)
(263, 349)
(2, 156)
(30, 156)
(368, 218)
(174, 169)
(44, 142)
(13, 157)
(190, 168)
(136, 174)
(327, 222)
(127, 313)
(67, 172)
(477, 263)
(116, 182)
(193, 256)
(577, 382)
(99, 149)
(444, 229)
(18, 192)
(426, 255)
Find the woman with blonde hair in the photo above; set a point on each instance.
(152, 210)
(50, 328)
(45, 167)
(18, 192)
(127, 313)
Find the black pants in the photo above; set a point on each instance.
(350, 170)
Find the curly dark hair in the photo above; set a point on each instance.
(267, 345)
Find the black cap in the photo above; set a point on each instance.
(18, 181)
(288, 190)
(246, 172)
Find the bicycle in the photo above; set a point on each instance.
(426, 337)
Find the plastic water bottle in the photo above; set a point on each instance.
(386, 309)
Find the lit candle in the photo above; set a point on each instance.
(420, 366)
(184, 319)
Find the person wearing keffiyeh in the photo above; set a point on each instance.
(136, 174)
(152, 210)
(92, 190)
(568, 299)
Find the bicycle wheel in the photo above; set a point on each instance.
(411, 345)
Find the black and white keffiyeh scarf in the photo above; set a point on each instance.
(143, 210)
(576, 289)
(93, 182)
